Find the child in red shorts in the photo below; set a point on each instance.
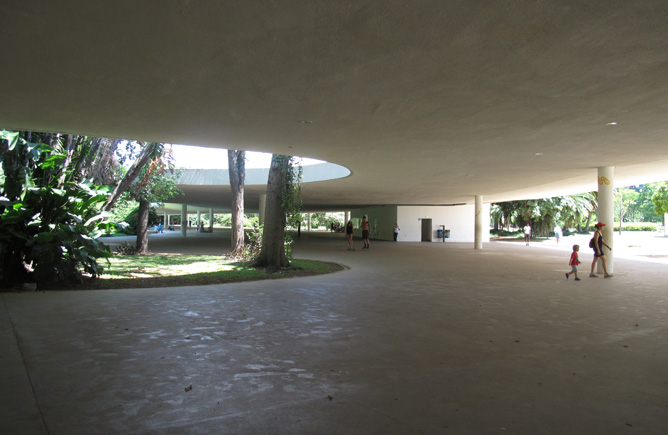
(574, 261)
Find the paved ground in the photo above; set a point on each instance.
(415, 338)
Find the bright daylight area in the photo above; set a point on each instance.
(194, 157)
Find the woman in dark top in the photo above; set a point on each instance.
(349, 233)
(598, 252)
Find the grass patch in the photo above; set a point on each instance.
(175, 270)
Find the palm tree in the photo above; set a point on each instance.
(575, 207)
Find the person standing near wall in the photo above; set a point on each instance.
(396, 231)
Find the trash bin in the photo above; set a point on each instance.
(439, 234)
(447, 234)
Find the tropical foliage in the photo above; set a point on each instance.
(49, 208)
(154, 182)
(543, 214)
(632, 204)
(660, 199)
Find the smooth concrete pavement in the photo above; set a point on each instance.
(413, 338)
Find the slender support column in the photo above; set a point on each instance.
(184, 219)
(478, 222)
(347, 218)
(165, 221)
(263, 204)
(211, 220)
(309, 222)
(606, 212)
(199, 220)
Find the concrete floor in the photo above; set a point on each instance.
(415, 338)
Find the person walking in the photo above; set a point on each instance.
(557, 232)
(527, 234)
(396, 231)
(573, 262)
(366, 227)
(349, 234)
(597, 244)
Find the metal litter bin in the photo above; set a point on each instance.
(447, 234)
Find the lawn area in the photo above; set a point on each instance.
(174, 270)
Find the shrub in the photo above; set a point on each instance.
(49, 219)
(132, 219)
(126, 249)
(632, 226)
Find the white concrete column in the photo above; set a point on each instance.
(165, 222)
(478, 223)
(665, 225)
(347, 218)
(309, 222)
(184, 219)
(263, 204)
(606, 212)
(199, 220)
(211, 219)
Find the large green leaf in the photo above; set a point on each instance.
(12, 138)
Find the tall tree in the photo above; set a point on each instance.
(283, 199)
(150, 151)
(643, 209)
(660, 200)
(237, 169)
(574, 208)
(625, 199)
(156, 182)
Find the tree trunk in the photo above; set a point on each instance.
(589, 216)
(70, 145)
(142, 227)
(145, 156)
(272, 256)
(237, 166)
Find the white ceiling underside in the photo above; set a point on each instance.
(426, 102)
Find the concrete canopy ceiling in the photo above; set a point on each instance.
(426, 102)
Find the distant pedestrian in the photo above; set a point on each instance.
(366, 227)
(396, 231)
(527, 234)
(349, 234)
(597, 244)
(160, 227)
(573, 262)
(557, 232)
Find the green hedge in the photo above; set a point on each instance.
(633, 226)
